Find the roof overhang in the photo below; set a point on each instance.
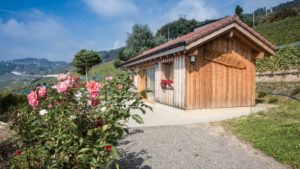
(155, 56)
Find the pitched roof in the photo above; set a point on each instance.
(200, 32)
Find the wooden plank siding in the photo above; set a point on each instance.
(212, 85)
(171, 96)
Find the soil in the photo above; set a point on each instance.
(7, 146)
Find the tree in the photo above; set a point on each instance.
(177, 28)
(138, 41)
(84, 60)
(159, 39)
(239, 11)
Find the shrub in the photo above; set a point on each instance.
(295, 91)
(75, 125)
(284, 13)
(273, 100)
(9, 101)
(261, 94)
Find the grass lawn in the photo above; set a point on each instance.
(276, 132)
(106, 69)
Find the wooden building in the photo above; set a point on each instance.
(211, 67)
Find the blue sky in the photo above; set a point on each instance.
(57, 29)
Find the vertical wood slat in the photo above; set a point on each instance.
(211, 84)
(173, 97)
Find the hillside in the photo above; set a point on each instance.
(102, 70)
(109, 55)
(281, 32)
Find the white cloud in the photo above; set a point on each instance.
(117, 44)
(38, 35)
(109, 8)
(196, 9)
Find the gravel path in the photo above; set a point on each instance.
(197, 146)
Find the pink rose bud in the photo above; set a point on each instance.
(94, 95)
(93, 102)
(49, 106)
(18, 152)
(108, 78)
(42, 92)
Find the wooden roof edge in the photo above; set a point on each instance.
(256, 38)
(255, 33)
(169, 48)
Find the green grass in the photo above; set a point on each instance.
(281, 32)
(102, 70)
(275, 132)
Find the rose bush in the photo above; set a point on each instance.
(75, 125)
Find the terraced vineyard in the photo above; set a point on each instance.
(281, 32)
(285, 59)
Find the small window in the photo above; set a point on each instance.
(168, 71)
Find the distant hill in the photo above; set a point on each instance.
(33, 66)
(281, 32)
(22, 72)
(109, 55)
(289, 4)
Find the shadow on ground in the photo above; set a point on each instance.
(7, 148)
(133, 160)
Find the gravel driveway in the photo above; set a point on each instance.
(196, 146)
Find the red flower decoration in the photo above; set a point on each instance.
(108, 148)
(18, 152)
(166, 83)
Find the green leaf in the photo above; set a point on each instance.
(105, 127)
(80, 141)
(95, 152)
(90, 132)
(84, 150)
(115, 153)
(137, 118)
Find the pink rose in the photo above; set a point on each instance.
(108, 78)
(71, 81)
(62, 77)
(93, 87)
(33, 102)
(62, 87)
(32, 95)
(42, 92)
(32, 99)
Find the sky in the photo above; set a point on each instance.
(57, 29)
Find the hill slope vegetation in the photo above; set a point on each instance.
(281, 32)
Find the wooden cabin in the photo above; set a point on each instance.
(211, 67)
